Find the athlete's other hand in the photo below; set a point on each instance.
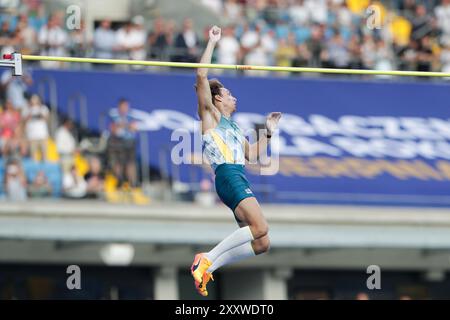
(272, 122)
(215, 34)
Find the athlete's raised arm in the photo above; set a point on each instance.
(202, 87)
(253, 151)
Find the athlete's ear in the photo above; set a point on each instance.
(218, 97)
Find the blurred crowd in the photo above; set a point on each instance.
(367, 34)
(398, 34)
(38, 163)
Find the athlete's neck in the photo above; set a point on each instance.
(226, 115)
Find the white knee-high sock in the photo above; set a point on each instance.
(238, 237)
(236, 254)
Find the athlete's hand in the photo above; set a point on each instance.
(214, 34)
(272, 122)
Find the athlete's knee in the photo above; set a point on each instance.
(262, 245)
(266, 244)
(259, 230)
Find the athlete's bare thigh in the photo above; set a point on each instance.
(250, 214)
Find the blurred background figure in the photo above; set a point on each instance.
(12, 141)
(16, 88)
(73, 184)
(15, 182)
(66, 144)
(79, 45)
(186, 43)
(95, 179)
(36, 117)
(40, 187)
(122, 145)
(104, 41)
(53, 41)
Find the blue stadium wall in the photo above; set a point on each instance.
(368, 142)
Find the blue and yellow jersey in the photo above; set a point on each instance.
(224, 144)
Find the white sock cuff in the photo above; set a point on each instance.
(236, 254)
(237, 238)
(249, 248)
(249, 231)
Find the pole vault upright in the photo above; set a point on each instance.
(13, 61)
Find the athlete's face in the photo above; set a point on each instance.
(228, 100)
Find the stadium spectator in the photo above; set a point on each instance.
(6, 32)
(421, 23)
(442, 13)
(302, 57)
(316, 45)
(250, 38)
(445, 58)
(233, 11)
(272, 13)
(53, 41)
(9, 121)
(214, 5)
(26, 36)
(343, 14)
(425, 55)
(257, 56)
(139, 36)
(104, 41)
(74, 185)
(186, 43)
(286, 52)
(408, 56)
(131, 41)
(170, 32)
(40, 187)
(36, 117)
(383, 57)
(354, 47)
(16, 88)
(228, 48)
(158, 40)
(95, 179)
(368, 52)
(37, 14)
(407, 8)
(269, 43)
(318, 10)
(79, 44)
(125, 41)
(7, 38)
(339, 54)
(11, 142)
(66, 144)
(121, 147)
(15, 182)
(299, 13)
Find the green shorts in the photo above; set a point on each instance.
(231, 185)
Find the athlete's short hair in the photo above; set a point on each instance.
(215, 85)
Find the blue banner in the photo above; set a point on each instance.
(340, 141)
